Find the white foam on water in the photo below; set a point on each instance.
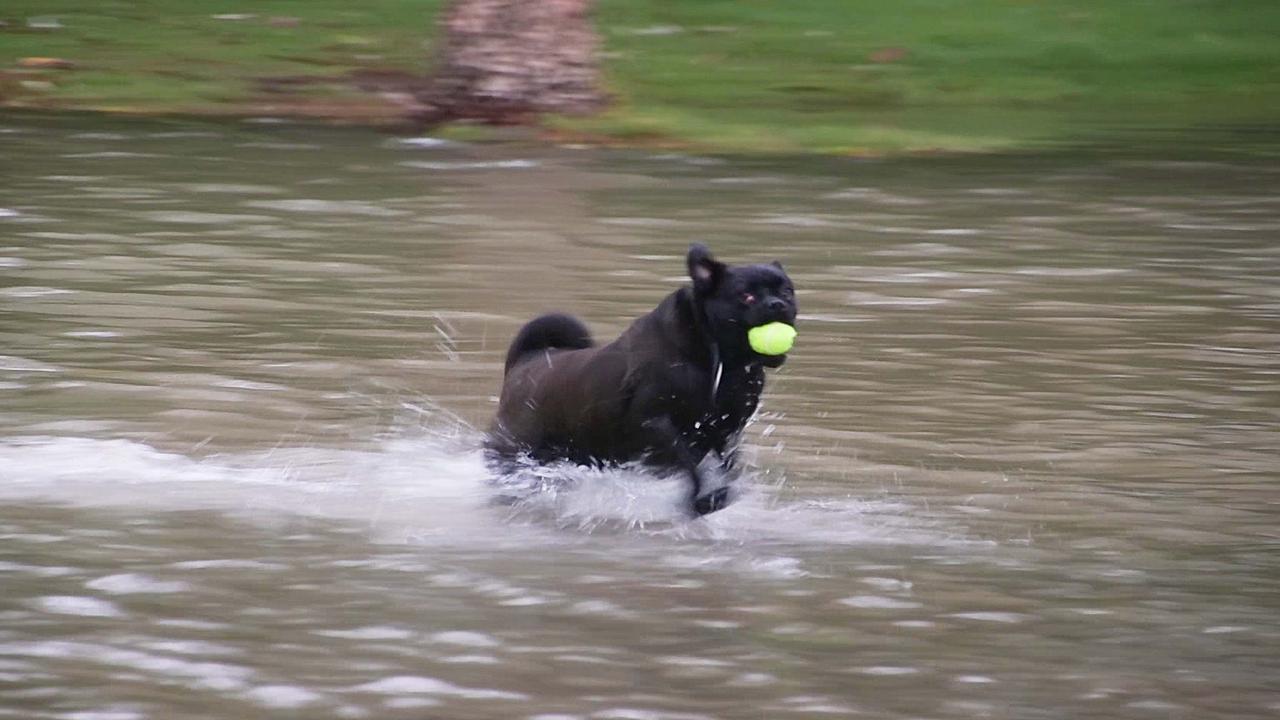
(426, 143)
(470, 660)
(470, 165)
(467, 639)
(194, 674)
(370, 632)
(993, 617)
(282, 697)
(13, 363)
(887, 670)
(136, 583)
(414, 684)
(435, 489)
(330, 207)
(25, 292)
(103, 715)
(877, 602)
(78, 605)
(411, 703)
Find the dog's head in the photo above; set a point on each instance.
(735, 299)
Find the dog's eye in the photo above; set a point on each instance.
(748, 298)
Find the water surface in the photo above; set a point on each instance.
(1022, 462)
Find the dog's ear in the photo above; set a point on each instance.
(705, 271)
(778, 264)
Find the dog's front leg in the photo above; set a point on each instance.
(667, 444)
(728, 452)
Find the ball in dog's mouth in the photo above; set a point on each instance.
(774, 338)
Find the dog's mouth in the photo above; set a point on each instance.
(772, 361)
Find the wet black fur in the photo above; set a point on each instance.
(651, 394)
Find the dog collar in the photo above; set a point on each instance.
(719, 370)
(701, 322)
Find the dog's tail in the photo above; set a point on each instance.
(547, 332)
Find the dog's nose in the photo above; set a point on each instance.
(776, 305)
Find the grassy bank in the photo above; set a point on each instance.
(817, 75)
(216, 57)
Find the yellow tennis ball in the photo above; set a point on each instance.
(776, 338)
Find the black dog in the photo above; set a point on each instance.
(682, 381)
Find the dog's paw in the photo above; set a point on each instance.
(717, 499)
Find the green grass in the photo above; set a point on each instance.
(973, 74)
(759, 75)
(175, 56)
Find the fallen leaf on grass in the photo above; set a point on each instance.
(887, 55)
(45, 63)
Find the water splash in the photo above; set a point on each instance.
(433, 488)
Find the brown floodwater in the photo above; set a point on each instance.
(1022, 462)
